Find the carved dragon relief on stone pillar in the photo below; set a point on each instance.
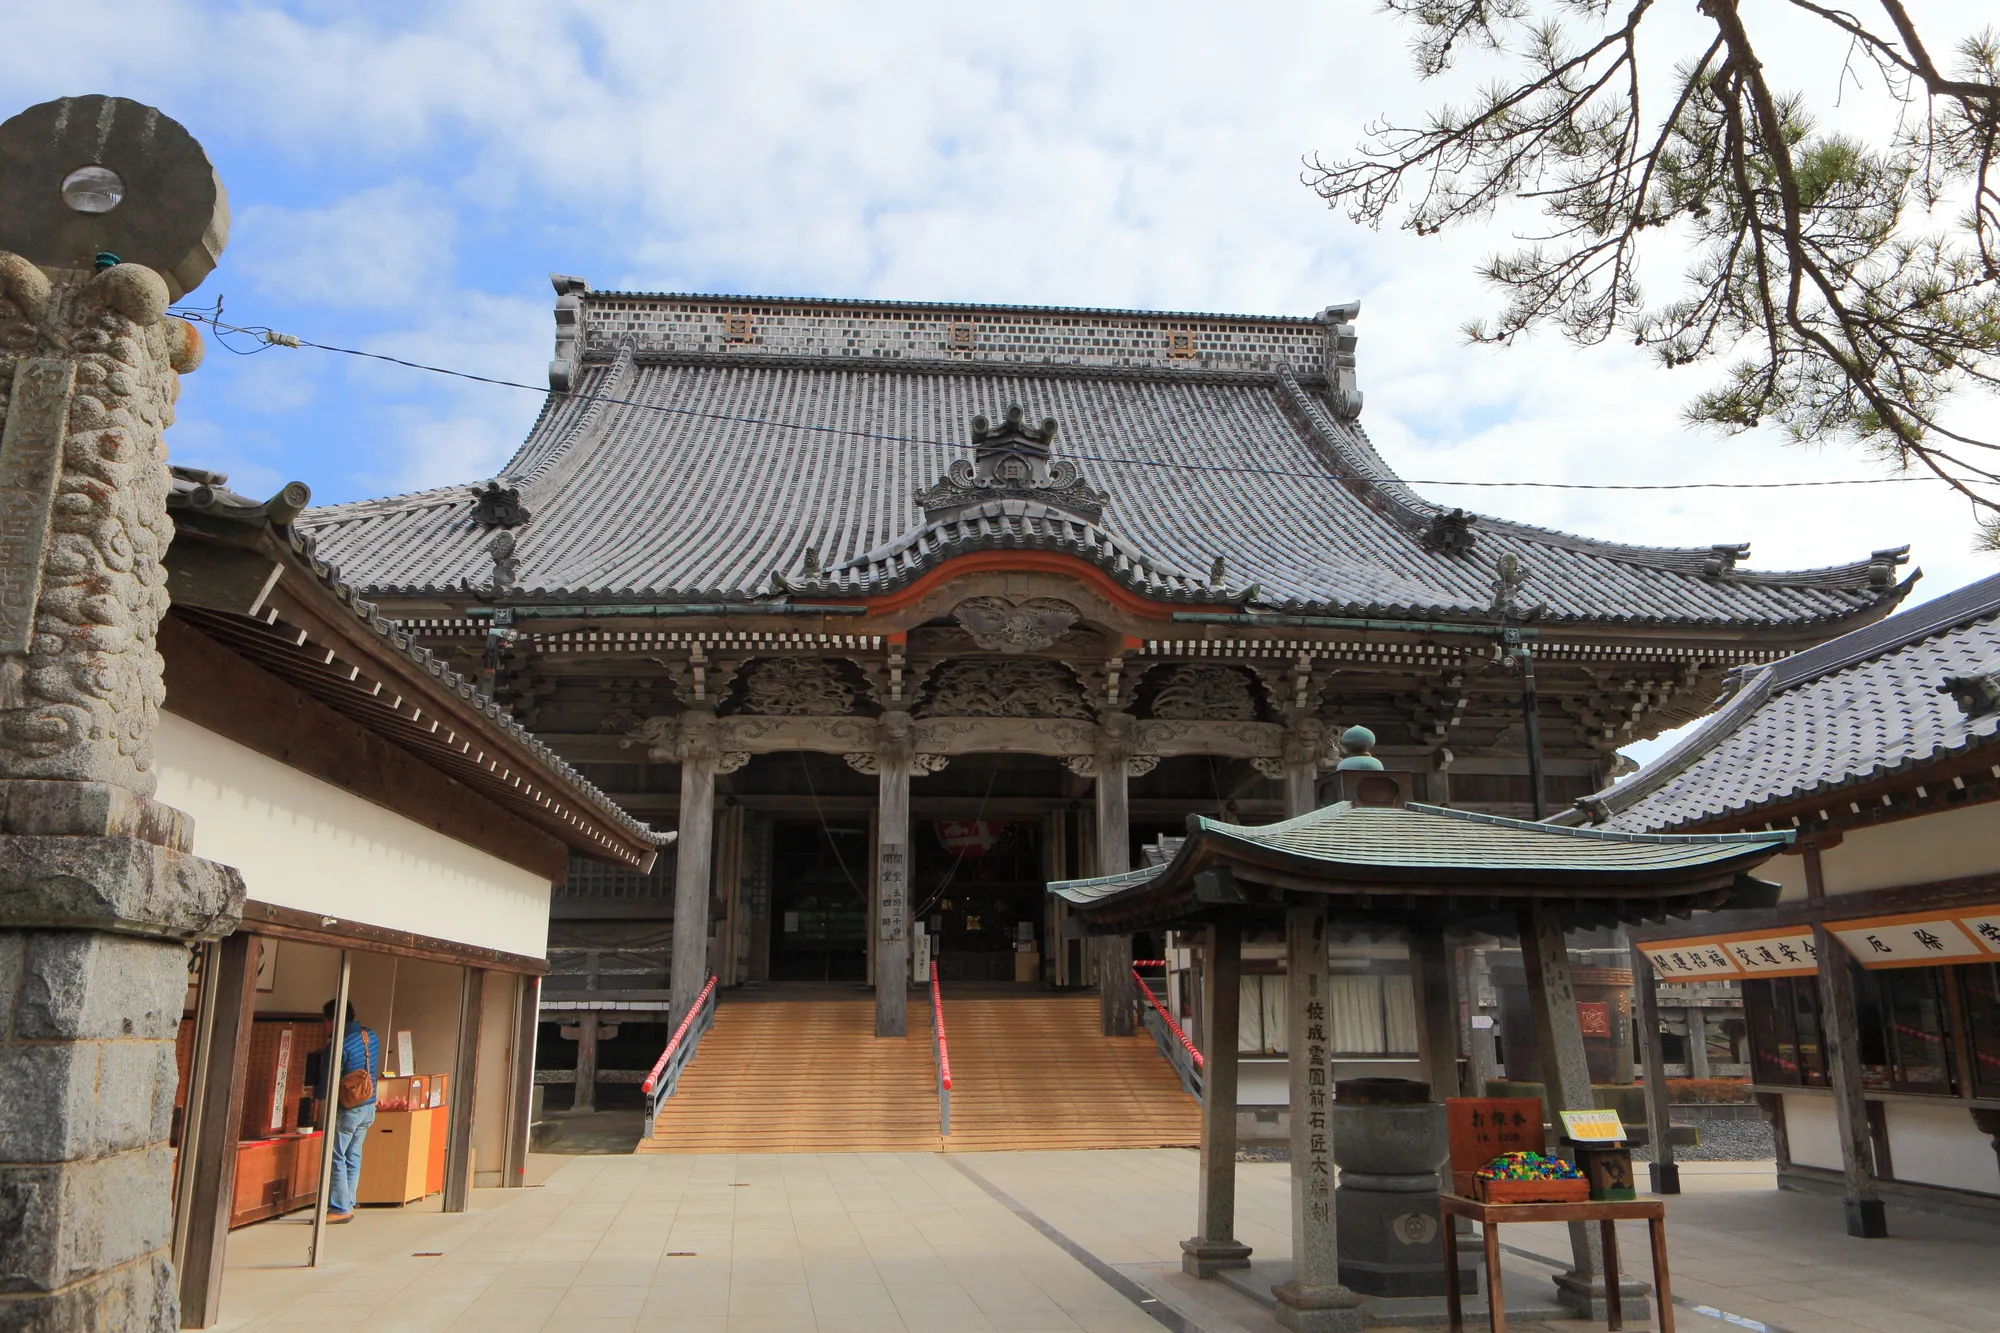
(89, 373)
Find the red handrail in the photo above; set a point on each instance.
(937, 1015)
(1149, 962)
(1167, 1018)
(673, 1044)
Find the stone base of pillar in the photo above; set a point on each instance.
(1666, 1177)
(1317, 1309)
(1586, 1296)
(1206, 1258)
(99, 898)
(1866, 1220)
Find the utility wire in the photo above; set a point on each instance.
(270, 338)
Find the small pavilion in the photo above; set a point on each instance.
(1378, 863)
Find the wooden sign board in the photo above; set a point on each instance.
(1483, 1128)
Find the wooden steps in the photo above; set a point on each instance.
(803, 1076)
(1028, 1072)
(1036, 1072)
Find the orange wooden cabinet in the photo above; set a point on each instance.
(274, 1176)
(395, 1157)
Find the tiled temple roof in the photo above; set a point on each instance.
(696, 459)
(1915, 689)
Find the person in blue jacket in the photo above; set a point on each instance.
(360, 1053)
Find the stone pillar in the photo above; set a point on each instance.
(1304, 748)
(1697, 1023)
(1860, 1193)
(100, 892)
(1214, 1246)
(1114, 857)
(1566, 1087)
(1666, 1176)
(894, 755)
(1314, 1301)
(1437, 1011)
(586, 1060)
(521, 1081)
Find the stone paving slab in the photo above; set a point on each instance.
(1006, 1243)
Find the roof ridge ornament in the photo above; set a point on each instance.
(1342, 380)
(1013, 461)
(498, 506)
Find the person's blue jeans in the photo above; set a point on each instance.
(350, 1131)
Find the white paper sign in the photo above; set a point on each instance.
(1985, 928)
(1690, 961)
(1776, 955)
(1878, 945)
(408, 1062)
(284, 1074)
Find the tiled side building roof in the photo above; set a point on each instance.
(1916, 689)
(731, 450)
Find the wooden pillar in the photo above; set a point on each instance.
(335, 1051)
(521, 1081)
(894, 754)
(1666, 1175)
(693, 853)
(1697, 1025)
(1437, 1011)
(1314, 1301)
(1214, 1246)
(1838, 1037)
(586, 1062)
(464, 1078)
(1305, 741)
(1114, 857)
(211, 1175)
(1565, 1087)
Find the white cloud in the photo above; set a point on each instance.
(404, 177)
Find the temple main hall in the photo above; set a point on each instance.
(898, 612)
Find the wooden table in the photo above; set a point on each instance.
(1606, 1215)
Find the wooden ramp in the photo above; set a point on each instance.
(1027, 1072)
(803, 1076)
(1036, 1072)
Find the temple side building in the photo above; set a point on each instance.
(899, 611)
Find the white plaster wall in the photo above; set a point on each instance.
(1811, 1131)
(1912, 851)
(1939, 1145)
(306, 844)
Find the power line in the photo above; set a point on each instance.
(271, 338)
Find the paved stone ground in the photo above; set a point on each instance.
(919, 1243)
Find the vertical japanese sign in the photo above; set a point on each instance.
(282, 1079)
(1319, 1164)
(892, 891)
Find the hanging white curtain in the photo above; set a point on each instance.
(1250, 1017)
(1356, 1011)
(1399, 1004)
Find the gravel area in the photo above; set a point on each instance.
(1725, 1141)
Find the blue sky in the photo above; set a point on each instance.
(404, 177)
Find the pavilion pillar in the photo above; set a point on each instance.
(1214, 1246)
(1314, 1301)
(1697, 1024)
(1566, 1087)
(1860, 1193)
(1437, 1011)
(894, 754)
(1114, 857)
(586, 1060)
(1665, 1173)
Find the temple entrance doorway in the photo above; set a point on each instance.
(819, 900)
(980, 892)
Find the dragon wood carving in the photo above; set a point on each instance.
(1005, 688)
